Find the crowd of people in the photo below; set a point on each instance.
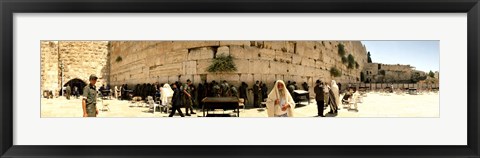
(189, 96)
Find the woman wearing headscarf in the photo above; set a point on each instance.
(334, 98)
(279, 102)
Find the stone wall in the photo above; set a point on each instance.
(49, 68)
(393, 73)
(80, 59)
(134, 62)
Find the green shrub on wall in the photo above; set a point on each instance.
(222, 63)
(119, 59)
(335, 72)
(341, 50)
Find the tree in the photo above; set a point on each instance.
(369, 58)
(431, 74)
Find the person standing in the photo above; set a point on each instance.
(200, 94)
(225, 89)
(279, 102)
(217, 91)
(334, 99)
(176, 101)
(68, 91)
(243, 91)
(305, 86)
(89, 100)
(264, 91)
(233, 91)
(189, 90)
(319, 97)
(256, 94)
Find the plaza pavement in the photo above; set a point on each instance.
(373, 105)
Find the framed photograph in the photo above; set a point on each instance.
(239, 78)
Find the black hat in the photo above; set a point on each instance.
(93, 77)
(318, 81)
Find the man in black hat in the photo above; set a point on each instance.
(89, 100)
(319, 97)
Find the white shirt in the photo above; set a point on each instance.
(278, 108)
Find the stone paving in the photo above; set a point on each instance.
(373, 105)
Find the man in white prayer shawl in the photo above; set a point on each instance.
(334, 97)
(279, 102)
(166, 94)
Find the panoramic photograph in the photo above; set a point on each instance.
(257, 79)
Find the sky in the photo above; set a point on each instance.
(423, 55)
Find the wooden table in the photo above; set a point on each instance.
(226, 103)
(299, 93)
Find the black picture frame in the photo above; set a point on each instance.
(9, 7)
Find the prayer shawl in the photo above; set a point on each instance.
(274, 95)
(334, 95)
(166, 94)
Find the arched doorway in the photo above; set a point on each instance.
(76, 86)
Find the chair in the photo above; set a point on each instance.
(104, 105)
(151, 103)
(354, 100)
(167, 105)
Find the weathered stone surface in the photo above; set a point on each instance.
(194, 44)
(234, 43)
(202, 66)
(223, 50)
(243, 66)
(201, 53)
(165, 61)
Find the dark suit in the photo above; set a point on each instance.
(319, 97)
(176, 102)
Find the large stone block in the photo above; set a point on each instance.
(194, 44)
(296, 59)
(202, 66)
(285, 46)
(266, 54)
(190, 67)
(242, 65)
(278, 67)
(282, 56)
(223, 50)
(201, 53)
(237, 52)
(259, 67)
(234, 43)
(176, 56)
(308, 62)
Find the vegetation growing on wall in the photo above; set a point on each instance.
(222, 63)
(335, 72)
(341, 50)
(119, 59)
